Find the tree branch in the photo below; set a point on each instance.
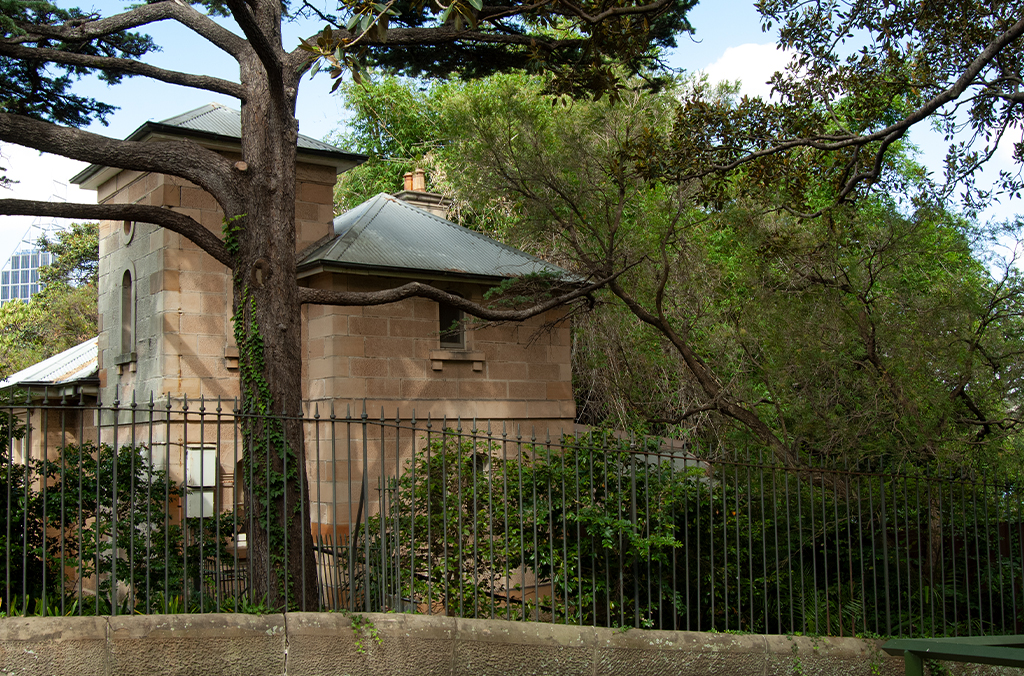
(651, 9)
(268, 53)
(172, 220)
(898, 129)
(130, 66)
(310, 296)
(177, 10)
(184, 158)
(444, 35)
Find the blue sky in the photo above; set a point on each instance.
(727, 44)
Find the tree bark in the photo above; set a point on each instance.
(268, 326)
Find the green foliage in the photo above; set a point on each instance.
(64, 313)
(43, 91)
(606, 532)
(90, 515)
(885, 328)
(232, 230)
(579, 54)
(76, 256)
(394, 125)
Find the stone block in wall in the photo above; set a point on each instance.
(669, 653)
(42, 646)
(329, 645)
(316, 173)
(490, 648)
(163, 280)
(315, 192)
(483, 389)
(198, 645)
(527, 389)
(197, 198)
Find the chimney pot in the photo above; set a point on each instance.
(408, 180)
(419, 181)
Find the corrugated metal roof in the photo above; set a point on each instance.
(78, 363)
(214, 118)
(216, 122)
(385, 233)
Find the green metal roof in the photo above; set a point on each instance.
(385, 234)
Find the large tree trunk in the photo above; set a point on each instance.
(268, 331)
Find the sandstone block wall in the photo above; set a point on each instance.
(183, 334)
(391, 356)
(329, 644)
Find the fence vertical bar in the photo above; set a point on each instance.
(475, 515)
(507, 578)
(565, 534)
(364, 502)
(491, 516)
(739, 551)
(764, 548)
(942, 557)
(335, 562)
(202, 502)
(9, 443)
(1017, 489)
(579, 533)
(632, 520)
(837, 478)
(906, 541)
(885, 554)
(218, 506)
(522, 524)
(131, 506)
(930, 592)
(778, 573)
(237, 480)
(920, 569)
(725, 549)
(847, 488)
(686, 546)
(318, 554)
(646, 531)
(63, 501)
(750, 547)
(412, 511)
(44, 411)
(977, 556)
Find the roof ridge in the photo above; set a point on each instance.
(475, 233)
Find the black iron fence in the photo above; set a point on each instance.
(138, 508)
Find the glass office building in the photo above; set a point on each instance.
(20, 276)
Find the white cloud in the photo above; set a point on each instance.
(40, 176)
(751, 64)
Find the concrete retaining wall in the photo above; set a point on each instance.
(328, 644)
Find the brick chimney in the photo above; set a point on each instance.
(415, 193)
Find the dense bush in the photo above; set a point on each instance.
(95, 514)
(607, 532)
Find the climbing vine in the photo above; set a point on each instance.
(269, 461)
(232, 228)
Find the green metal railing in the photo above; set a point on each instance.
(999, 651)
(484, 520)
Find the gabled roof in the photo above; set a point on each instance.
(213, 118)
(77, 365)
(217, 125)
(387, 235)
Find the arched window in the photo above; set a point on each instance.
(127, 314)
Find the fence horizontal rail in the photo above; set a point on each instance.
(139, 508)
